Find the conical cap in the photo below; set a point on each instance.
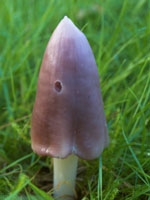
(68, 115)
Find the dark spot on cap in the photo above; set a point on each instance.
(58, 86)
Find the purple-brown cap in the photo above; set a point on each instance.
(68, 115)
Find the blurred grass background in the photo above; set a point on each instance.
(119, 34)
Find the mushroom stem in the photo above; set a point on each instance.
(64, 177)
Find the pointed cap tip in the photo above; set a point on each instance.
(66, 28)
(67, 20)
(65, 17)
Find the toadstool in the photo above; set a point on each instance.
(68, 119)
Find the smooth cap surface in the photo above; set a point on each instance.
(68, 115)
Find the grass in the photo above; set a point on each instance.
(119, 34)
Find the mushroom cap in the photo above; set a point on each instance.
(68, 115)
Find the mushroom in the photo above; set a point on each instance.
(68, 119)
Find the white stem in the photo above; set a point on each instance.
(64, 177)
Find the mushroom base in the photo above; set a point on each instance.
(64, 177)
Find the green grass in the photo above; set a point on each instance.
(119, 34)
